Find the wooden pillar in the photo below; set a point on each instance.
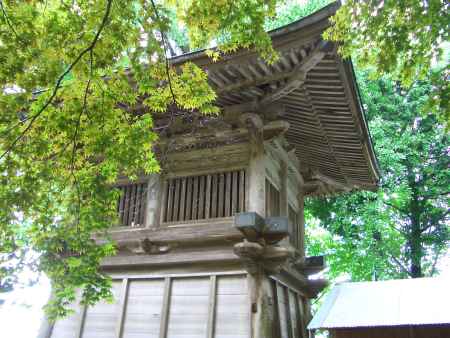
(284, 200)
(257, 169)
(262, 306)
(284, 204)
(301, 221)
(153, 201)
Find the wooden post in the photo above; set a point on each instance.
(301, 221)
(153, 201)
(257, 169)
(284, 200)
(262, 306)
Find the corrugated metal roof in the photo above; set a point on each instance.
(420, 301)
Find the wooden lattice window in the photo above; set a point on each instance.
(204, 196)
(131, 205)
(272, 200)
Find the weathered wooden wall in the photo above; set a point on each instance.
(171, 306)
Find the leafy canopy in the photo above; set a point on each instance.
(71, 76)
(401, 38)
(401, 230)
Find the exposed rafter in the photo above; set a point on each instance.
(298, 77)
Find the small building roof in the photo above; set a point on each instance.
(421, 301)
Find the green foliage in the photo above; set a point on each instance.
(401, 38)
(402, 229)
(232, 24)
(68, 121)
(290, 10)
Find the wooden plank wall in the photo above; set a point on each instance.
(131, 204)
(200, 306)
(290, 312)
(205, 196)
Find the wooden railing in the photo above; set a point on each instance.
(131, 204)
(204, 196)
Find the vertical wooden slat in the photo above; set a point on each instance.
(170, 190)
(165, 308)
(122, 308)
(164, 193)
(126, 204)
(208, 196)
(182, 199)
(188, 213)
(228, 187)
(201, 199)
(212, 307)
(234, 192)
(268, 199)
(131, 204)
(137, 204)
(214, 192)
(176, 200)
(195, 198)
(81, 322)
(220, 207)
(242, 187)
(121, 204)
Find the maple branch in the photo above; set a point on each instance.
(164, 43)
(61, 78)
(8, 22)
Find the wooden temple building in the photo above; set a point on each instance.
(213, 246)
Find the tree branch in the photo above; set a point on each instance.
(164, 43)
(397, 261)
(8, 22)
(396, 208)
(61, 78)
